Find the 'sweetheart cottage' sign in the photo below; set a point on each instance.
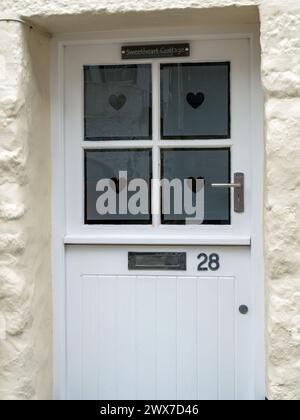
(155, 51)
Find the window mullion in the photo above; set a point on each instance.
(156, 150)
(156, 188)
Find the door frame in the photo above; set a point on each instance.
(59, 239)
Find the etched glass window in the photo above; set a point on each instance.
(117, 102)
(211, 166)
(118, 186)
(195, 101)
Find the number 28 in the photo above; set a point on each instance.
(209, 262)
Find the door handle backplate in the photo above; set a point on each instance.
(239, 191)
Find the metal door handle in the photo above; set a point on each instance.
(239, 191)
(226, 185)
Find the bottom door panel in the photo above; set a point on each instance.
(152, 337)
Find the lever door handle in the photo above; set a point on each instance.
(239, 191)
(226, 185)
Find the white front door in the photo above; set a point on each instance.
(159, 292)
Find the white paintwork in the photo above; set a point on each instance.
(256, 361)
(238, 53)
(154, 239)
(158, 335)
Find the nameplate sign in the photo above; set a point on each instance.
(155, 51)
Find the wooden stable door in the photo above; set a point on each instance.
(160, 302)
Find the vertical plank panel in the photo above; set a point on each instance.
(227, 353)
(126, 338)
(90, 350)
(146, 338)
(74, 336)
(187, 338)
(166, 350)
(152, 337)
(107, 338)
(208, 363)
(245, 346)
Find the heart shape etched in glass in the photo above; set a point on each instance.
(195, 100)
(117, 101)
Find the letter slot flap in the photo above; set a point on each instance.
(157, 261)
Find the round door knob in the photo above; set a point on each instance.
(244, 309)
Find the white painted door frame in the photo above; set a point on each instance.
(59, 239)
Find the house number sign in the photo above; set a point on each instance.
(209, 262)
(155, 51)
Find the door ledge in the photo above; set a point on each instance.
(157, 240)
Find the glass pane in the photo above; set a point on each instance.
(118, 186)
(195, 101)
(209, 165)
(118, 102)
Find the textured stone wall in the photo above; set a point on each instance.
(64, 7)
(25, 297)
(280, 27)
(25, 269)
